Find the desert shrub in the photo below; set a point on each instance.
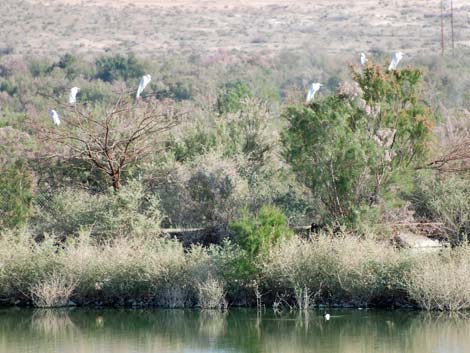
(349, 147)
(70, 65)
(230, 96)
(441, 281)
(52, 292)
(178, 91)
(8, 87)
(445, 199)
(206, 191)
(98, 92)
(195, 142)
(118, 67)
(39, 67)
(127, 212)
(16, 194)
(210, 294)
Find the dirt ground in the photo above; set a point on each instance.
(148, 27)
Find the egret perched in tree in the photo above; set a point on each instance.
(73, 95)
(327, 317)
(144, 81)
(363, 59)
(54, 116)
(313, 89)
(395, 60)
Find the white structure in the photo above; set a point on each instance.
(313, 89)
(73, 95)
(54, 116)
(327, 317)
(395, 61)
(144, 81)
(363, 59)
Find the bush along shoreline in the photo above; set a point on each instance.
(294, 273)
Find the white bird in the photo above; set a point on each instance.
(313, 89)
(395, 61)
(54, 116)
(144, 81)
(327, 317)
(73, 95)
(363, 59)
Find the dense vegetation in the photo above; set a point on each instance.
(236, 148)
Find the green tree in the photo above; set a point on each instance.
(351, 147)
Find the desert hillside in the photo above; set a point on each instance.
(146, 27)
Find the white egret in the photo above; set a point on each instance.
(395, 61)
(55, 117)
(144, 81)
(313, 89)
(327, 317)
(73, 95)
(363, 59)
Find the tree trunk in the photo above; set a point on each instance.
(116, 178)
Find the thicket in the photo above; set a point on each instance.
(293, 273)
(247, 156)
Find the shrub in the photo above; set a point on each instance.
(333, 269)
(441, 282)
(230, 96)
(24, 262)
(53, 292)
(446, 199)
(127, 212)
(119, 67)
(210, 294)
(257, 233)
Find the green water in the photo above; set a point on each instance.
(191, 331)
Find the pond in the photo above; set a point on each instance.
(192, 331)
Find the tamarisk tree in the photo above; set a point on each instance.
(113, 138)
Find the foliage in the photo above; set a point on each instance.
(446, 199)
(16, 193)
(441, 281)
(118, 67)
(349, 147)
(257, 233)
(129, 211)
(335, 268)
(230, 96)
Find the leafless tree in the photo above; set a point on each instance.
(113, 138)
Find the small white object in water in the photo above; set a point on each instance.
(327, 317)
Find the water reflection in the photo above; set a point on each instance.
(243, 331)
